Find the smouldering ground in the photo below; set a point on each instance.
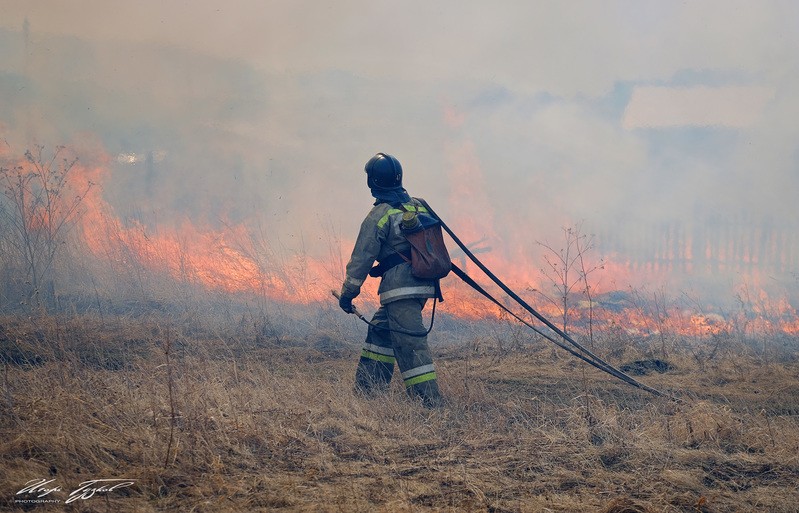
(260, 424)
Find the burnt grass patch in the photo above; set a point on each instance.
(647, 366)
(738, 476)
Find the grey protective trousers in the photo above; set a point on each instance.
(411, 353)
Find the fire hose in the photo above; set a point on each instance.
(568, 344)
(577, 349)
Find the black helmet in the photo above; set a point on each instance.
(383, 172)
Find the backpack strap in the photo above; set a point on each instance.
(389, 262)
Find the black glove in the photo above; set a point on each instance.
(345, 302)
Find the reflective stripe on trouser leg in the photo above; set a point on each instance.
(413, 354)
(376, 366)
(419, 374)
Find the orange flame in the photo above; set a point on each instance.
(234, 260)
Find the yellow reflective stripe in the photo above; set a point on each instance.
(411, 208)
(420, 379)
(383, 220)
(416, 371)
(378, 357)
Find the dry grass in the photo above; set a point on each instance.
(253, 425)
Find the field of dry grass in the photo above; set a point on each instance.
(232, 420)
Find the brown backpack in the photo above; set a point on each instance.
(429, 256)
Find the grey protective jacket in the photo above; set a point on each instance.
(379, 238)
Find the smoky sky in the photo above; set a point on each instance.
(269, 110)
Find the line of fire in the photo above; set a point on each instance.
(644, 278)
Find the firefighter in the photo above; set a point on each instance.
(393, 335)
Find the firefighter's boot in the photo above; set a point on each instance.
(428, 393)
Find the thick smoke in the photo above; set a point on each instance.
(267, 115)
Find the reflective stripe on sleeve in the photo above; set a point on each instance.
(355, 282)
(422, 290)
